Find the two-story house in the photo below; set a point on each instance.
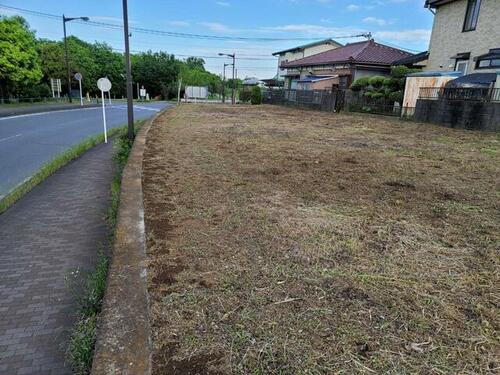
(345, 64)
(291, 75)
(465, 36)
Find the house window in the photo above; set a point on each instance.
(488, 63)
(461, 66)
(489, 60)
(472, 15)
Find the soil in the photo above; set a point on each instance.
(287, 241)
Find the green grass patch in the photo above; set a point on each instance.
(90, 289)
(54, 165)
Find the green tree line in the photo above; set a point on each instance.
(27, 64)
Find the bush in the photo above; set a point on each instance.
(402, 71)
(245, 95)
(377, 81)
(360, 83)
(396, 96)
(256, 95)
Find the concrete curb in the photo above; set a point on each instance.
(124, 336)
(40, 109)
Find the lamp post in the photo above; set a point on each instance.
(233, 56)
(224, 83)
(67, 19)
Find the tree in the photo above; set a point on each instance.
(19, 62)
(81, 59)
(157, 72)
(195, 63)
(110, 64)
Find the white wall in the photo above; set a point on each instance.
(448, 39)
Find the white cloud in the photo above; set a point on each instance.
(415, 35)
(223, 3)
(179, 23)
(375, 21)
(317, 30)
(217, 27)
(353, 7)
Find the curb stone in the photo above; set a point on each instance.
(123, 344)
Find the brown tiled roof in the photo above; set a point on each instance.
(368, 52)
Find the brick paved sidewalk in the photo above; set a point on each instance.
(54, 229)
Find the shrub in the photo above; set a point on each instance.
(402, 71)
(256, 96)
(376, 81)
(360, 83)
(245, 95)
(396, 96)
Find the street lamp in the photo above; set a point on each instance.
(67, 19)
(233, 56)
(224, 83)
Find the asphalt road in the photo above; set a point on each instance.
(29, 141)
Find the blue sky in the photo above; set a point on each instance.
(404, 23)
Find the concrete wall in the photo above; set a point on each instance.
(448, 39)
(301, 53)
(459, 114)
(318, 49)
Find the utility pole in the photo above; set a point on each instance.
(233, 92)
(67, 19)
(130, 93)
(233, 56)
(224, 84)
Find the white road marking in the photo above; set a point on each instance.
(54, 112)
(140, 107)
(12, 136)
(147, 108)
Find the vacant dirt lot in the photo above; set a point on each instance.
(284, 241)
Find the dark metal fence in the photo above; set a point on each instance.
(460, 93)
(323, 100)
(357, 101)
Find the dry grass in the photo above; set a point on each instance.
(284, 241)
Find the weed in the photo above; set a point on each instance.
(89, 290)
(336, 243)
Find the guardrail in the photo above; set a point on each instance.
(460, 93)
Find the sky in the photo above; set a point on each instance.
(399, 23)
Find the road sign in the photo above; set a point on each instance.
(78, 77)
(55, 84)
(104, 84)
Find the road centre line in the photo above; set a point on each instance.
(12, 136)
(49, 112)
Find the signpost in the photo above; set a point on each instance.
(55, 84)
(104, 85)
(78, 77)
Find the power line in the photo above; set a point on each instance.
(172, 33)
(206, 57)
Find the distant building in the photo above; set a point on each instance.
(346, 64)
(296, 53)
(252, 81)
(465, 36)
